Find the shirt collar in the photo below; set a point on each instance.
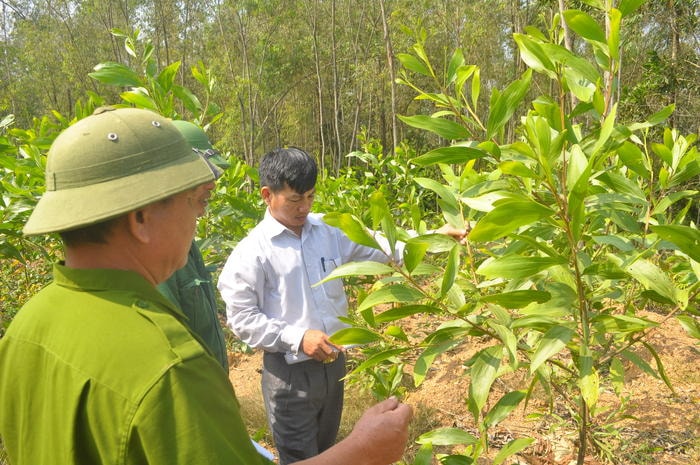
(101, 279)
(274, 228)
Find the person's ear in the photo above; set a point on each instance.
(138, 224)
(266, 194)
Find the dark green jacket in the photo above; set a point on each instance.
(192, 290)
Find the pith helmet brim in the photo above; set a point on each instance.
(112, 163)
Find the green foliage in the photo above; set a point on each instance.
(235, 207)
(575, 227)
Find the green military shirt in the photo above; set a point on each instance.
(97, 368)
(192, 290)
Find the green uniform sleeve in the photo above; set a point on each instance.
(190, 416)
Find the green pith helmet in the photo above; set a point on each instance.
(199, 140)
(110, 163)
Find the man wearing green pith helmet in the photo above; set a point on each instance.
(101, 368)
(191, 286)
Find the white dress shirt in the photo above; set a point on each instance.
(267, 281)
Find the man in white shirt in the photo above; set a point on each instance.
(271, 304)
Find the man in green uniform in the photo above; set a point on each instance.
(191, 286)
(99, 367)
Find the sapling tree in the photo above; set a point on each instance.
(576, 226)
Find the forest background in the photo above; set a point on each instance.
(351, 82)
(315, 73)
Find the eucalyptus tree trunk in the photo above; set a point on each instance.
(673, 23)
(336, 98)
(392, 77)
(246, 105)
(319, 83)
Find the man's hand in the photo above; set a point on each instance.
(378, 438)
(317, 345)
(456, 233)
(382, 431)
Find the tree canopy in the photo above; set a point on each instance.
(320, 73)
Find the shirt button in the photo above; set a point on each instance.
(141, 304)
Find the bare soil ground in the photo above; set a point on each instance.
(661, 427)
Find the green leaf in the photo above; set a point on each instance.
(9, 251)
(425, 360)
(534, 55)
(597, 4)
(166, 77)
(553, 341)
(606, 130)
(413, 254)
(483, 373)
(690, 325)
(582, 88)
(622, 244)
(639, 362)
(378, 358)
(115, 74)
(687, 239)
(517, 266)
(652, 278)
(441, 190)
(449, 155)
(437, 243)
(659, 365)
(627, 7)
(402, 312)
(414, 64)
(451, 269)
(353, 336)
(447, 437)
(190, 100)
(503, 407)
(353, 228)
(617, 375)
(605, 270)
(476, 88)
(615, 19)
(577, 168)
(424, 456)
(670, 199)
(388, 294)
(456, 62)
(510, 342)
(589, 381)
(584, 25)
(396, 332)
(516, 299)
(506, 104)
(516, 168)
(634, 159)
(622, 185)
(381, 216)
(139, 100)
(365, 268)
(440, 126)
(661, 115)
(506, 217)
(513, 447)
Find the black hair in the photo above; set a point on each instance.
(289, 166)
(96, 233)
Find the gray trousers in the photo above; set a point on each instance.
(304, 403)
